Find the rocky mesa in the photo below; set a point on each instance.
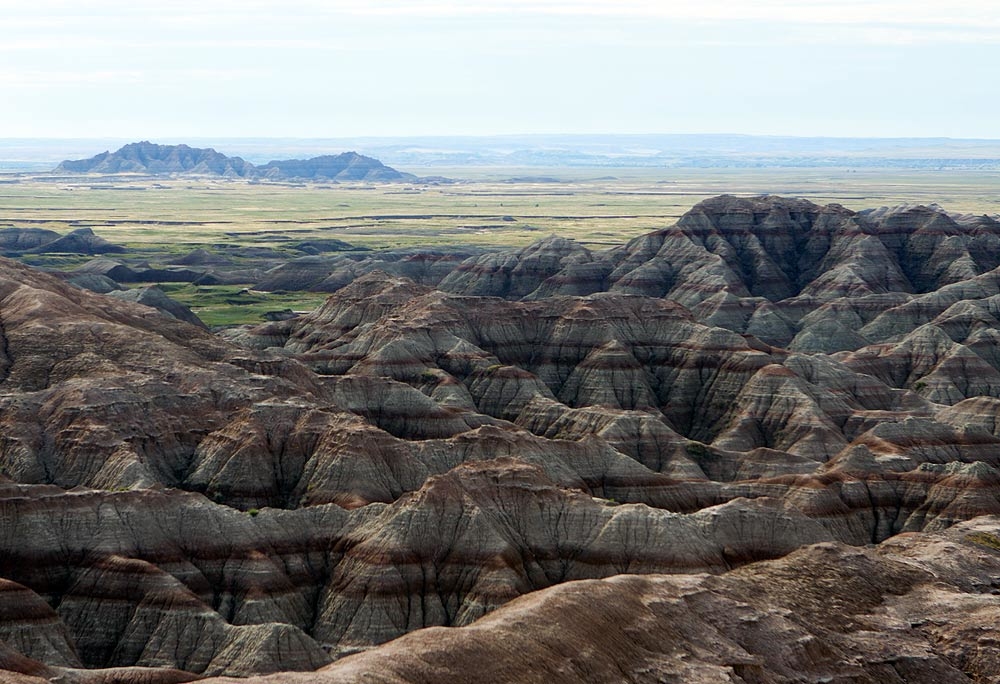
(153, 159)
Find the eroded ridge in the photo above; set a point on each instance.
(771, 427)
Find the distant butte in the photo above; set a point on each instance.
(149, 158)
(349, 166)
(152, 159)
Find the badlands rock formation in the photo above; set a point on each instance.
(152, 159)
(761, 445)
(905, 612)
(348, 166)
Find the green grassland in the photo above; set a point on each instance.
(494, 207)
(484, 209)
(226, 305)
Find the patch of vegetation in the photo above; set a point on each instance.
(60, 262)
(984, 539)
(583, 204)
(698, 450)
(253, 512)
(228, 305)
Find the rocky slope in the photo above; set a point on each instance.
(905, 612)
(759, 446)
(773, 267)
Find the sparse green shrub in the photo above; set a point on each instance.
(698, 450)
(984, 539)
(253, 512)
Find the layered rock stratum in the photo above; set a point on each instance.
(760, 445)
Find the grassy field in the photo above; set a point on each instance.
(225, 305)
(489, 207)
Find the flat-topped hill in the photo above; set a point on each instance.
(153, 159)
(150, 158)
(346, 166)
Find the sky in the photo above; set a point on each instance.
(169, 69)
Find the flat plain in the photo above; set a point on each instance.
(490, 207)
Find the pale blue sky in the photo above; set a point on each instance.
(332, 68)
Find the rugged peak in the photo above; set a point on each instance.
(377, 289)
(906, 208)
(757, 209)
(517, 273)
(151, 158)
(758, 216)
(486, 479)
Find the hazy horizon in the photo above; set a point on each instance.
(387, 68)
(637, 151)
